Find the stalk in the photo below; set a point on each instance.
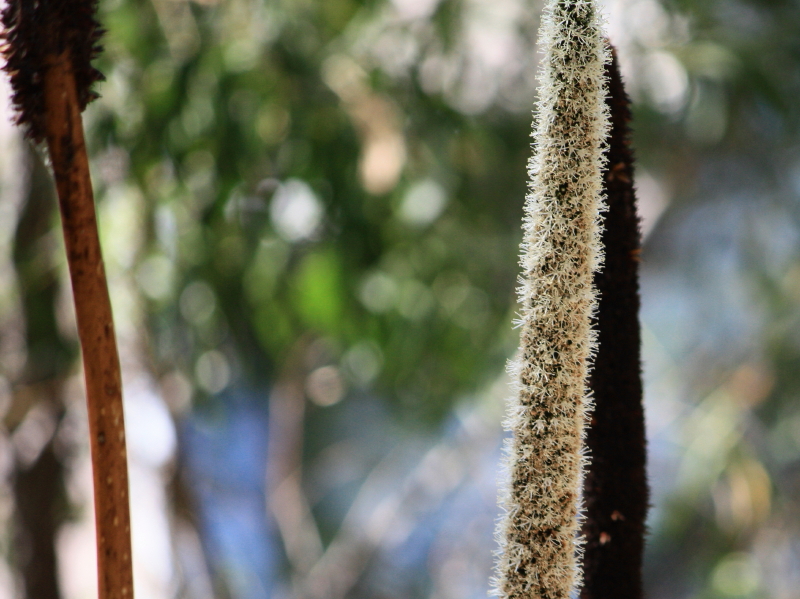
(561, 249)
(49, 47)
(615, 489)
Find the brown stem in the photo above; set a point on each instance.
(64, 135)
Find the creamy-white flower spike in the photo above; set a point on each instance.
(539, 531)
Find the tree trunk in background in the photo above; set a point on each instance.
(615, 488)
(49, 355)
(39, 494)
(185, 513)
(40, 501)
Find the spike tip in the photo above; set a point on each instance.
(36, 33)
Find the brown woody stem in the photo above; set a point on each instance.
(64, 135)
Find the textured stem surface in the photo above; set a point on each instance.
(64, 136)
(560, 252)
(615, 489)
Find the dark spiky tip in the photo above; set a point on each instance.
(35, 33)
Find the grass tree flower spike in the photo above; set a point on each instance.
(615, 486)
(539, 532)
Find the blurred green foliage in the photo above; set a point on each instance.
(406, 257)
(354, 171)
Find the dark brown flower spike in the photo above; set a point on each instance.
(34, 32)
(615, 487)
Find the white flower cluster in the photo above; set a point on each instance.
(539, 532)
